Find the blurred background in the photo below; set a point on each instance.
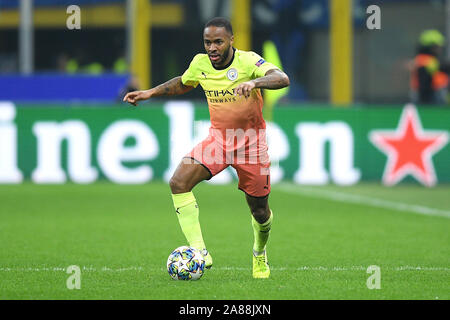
(164, 35)
(64, 60)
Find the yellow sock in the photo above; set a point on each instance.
(187, 212)
(261, 233)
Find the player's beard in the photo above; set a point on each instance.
(223, 58)
(225, 55)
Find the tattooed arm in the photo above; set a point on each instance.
(169, 88)
(273, 79)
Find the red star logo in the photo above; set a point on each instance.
(409, 149)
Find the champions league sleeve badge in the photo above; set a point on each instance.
(260, 62)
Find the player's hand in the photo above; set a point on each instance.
(135, 96)
(244, 89)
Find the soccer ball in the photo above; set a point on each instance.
(185, 263)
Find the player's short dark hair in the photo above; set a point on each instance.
(220, 22)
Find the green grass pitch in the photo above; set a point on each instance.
(322, 242)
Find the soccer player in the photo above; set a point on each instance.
(231, 80)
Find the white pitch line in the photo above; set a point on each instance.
(147, 269)
(365, 200)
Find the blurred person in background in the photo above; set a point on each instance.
(283, 20)
(429, 76)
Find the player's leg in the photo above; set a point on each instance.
(187, 175)
(262, 223)
(254, 180)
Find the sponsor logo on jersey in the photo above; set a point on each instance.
(219, 93)
(220, 96)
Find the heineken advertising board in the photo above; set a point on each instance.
(127, 145)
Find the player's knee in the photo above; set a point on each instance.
(178, 185)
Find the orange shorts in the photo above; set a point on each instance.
(252, 166)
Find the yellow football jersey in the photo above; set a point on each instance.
(227, 110)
